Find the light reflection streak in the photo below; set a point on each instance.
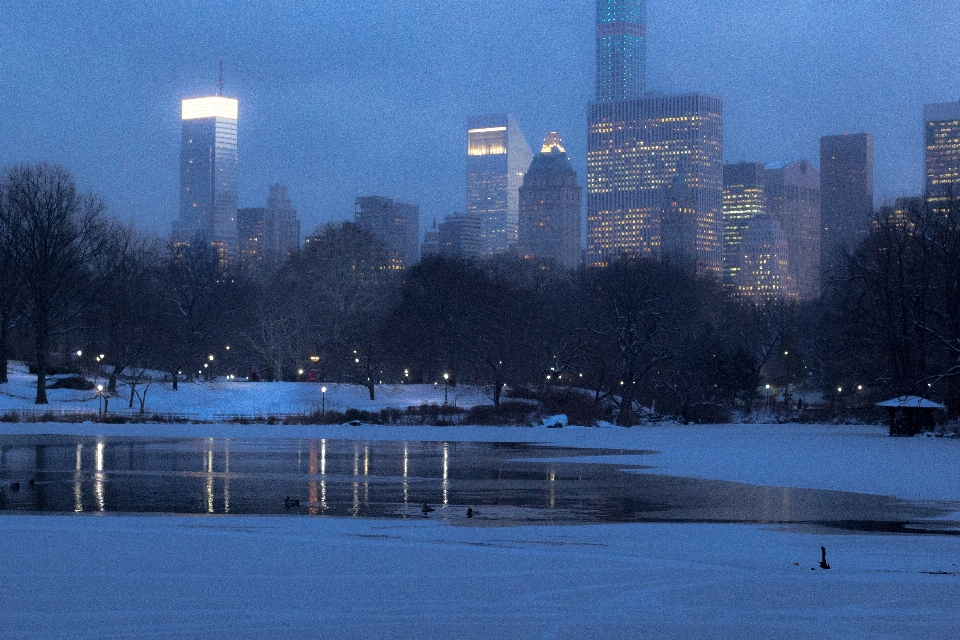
(406, 472)
(366, 475)
(356, 485)
(553, 488)
(77, 482)
(209, 463)
(445, 485)
(99, 477)
(226, 477)
(323, 474)
(312, 485)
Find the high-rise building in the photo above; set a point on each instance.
(268, 235)
(396, 223)
(497, 158)
(281, 227)
(941, 125)
(459, 235)
(208, 175)
(621, 49)
(250, 237)
(764, 272)
(550, 200)
(431, 242)
(655, 179)
(793, 200)
(743, 200)
(846, 191)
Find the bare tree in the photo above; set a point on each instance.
(56, 232)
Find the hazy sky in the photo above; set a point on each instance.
(339, 99)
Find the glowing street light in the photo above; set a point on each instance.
(446, 386)
(323, 401)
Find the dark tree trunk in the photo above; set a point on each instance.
(372, 389)
(41, 344)
(4, 353)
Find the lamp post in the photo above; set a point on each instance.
(323, 401)
(446, 386)
(100, 400)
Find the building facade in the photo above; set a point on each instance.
(846, 191)
(208, 175)
(655, 179)
(793, 200)
(550, 204)
(250, 237)
(621, 49)
(941, 127)
(497, 158)
(459, 235)
(396, 223)
(281, 227)
(743, 200)
(764, 273)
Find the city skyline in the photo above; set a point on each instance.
(318, 116)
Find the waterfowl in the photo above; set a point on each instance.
(426, 508)
(291, 502)
(823, 558)
(469, 512)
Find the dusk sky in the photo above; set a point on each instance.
(340, 99)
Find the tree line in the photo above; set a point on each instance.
(638, 338)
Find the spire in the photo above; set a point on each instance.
(220, 81)
(552, 141)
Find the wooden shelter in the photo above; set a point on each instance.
(910, 414)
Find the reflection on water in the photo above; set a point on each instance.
(501, 482)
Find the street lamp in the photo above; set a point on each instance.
(100, 399)
(323, 401)
(446, 386)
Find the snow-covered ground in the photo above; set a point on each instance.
(115, 576)
(204, 400)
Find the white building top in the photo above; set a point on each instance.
(212, 107)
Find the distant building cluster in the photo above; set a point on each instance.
(656, 186)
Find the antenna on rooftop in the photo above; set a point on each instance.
(220, 81)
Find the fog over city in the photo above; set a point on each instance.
(345, 99)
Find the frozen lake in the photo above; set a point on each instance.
(503, 483)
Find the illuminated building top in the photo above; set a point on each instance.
(552, 141)
(621, 49)
(212, 107)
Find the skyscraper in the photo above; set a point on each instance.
(846, 188)
(281, 227)
(497, 158)
(655, 179)
(208, 175)
(250, 237)
(941, 126)
(621, 49)
(459, 235)
(396, 223)
(764, 272)
(743, 200)
(550, 200)
(793, 201)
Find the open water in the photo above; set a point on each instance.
(503, 484)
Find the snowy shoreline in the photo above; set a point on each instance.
(93, 576)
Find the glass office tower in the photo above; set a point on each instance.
(621, 49)
(208, 175)
(655, 179)
(497, 158)
(941, 124)
(743, 200)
